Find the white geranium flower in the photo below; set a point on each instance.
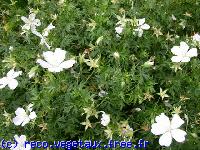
(10, 79)
(182, 52)
(141, 25)
(196, 37)
(168, 129)
(119, 29)
(23, 117)
(105, 119)
(31, 22)
(20, 141)
(55, 61)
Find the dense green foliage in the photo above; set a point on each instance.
(60, 98)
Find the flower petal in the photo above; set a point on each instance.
(12, 84)
(141, 21)
(3, 82)
(18, 120)
(192, 52)
(185, 59)
(162, 125)
(43, 63)
(32, 115)
(48, 56)
(26, 120)
(20, 112)
(176, 121)
(178, 135)
(176, 58)
(67, 64)
(165, 139)
(176, 50)
(59, 54)
(184, 46)
(25, 19)
(145, 26)
(32, 16)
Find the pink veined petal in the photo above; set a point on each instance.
(32, 115)
(165, 139)
(24, 19)
(192, 52)
(176, 122)
(185, 59)
(18, 120)
(26, 120)
(145, 26)
(43, 63)
(184, 47)
(178, 135)
(12, 84)
(32, 16)
(176, 59)
(141, 21)
(59, 54)
(67, 64)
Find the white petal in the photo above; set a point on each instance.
(140, 33)
(59, 54)
(18, 120)
(25, 19)
(55, 69)
(32, 16)
(29, 107)
(185, 59)
(43, 63)
(192, 52)
(12, 84)
(17, 138)
(161, 126)
(165, 139)
(3, 82)
(20, 112)
(176, 58)
(28, 147)
(26, 120)
(32, 115)
(177, 51)
(11, 73)
(141, 21)
(48, 56)
(26, 27)
(145, 26)
(67, 64)
(119, 30)
(176, 121)
(37, 22)
(178, 135)
(184, 46)
(22, 138)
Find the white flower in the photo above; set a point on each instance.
(116, 55)
(55, 61)
(196, 37)
(168, 129)
(119, 29)
(182, 52)
(20, 143)
(31, 22)
(47, 30)
(102, 93)
(141, 25)
(105, 119)
(10, 79)
(23, 117)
